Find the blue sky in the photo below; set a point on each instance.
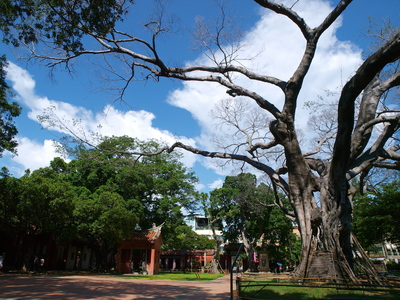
(171, 110)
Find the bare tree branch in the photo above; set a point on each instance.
(288, 12)
(373, 65)
(375, 151)
(367, 112)
(268, 170)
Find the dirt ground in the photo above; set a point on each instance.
(44, 287)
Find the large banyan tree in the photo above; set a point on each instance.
(317, 186)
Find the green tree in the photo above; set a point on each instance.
(58, 20)
(249, 214)
(150, 190)
(34, 205)
(282, 244)
(8, 111)
(96, 213)
(185, 238)
(157, 188)
(377, 215)
(8, 209)
(103, 219)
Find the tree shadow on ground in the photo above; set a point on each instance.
(76, 287)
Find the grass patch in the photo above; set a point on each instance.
(174, 276)
(304, 293)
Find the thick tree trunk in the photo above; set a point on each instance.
(101, 257)
(216, 251)
(325, 231)
(327, 242)
(325, 227)
(248, 248)
(327, 251)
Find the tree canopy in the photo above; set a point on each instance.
(8, 111)
(377, 215)
(185, 238)
(66, 23)
(249, 214)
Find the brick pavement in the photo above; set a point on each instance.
(97, 287)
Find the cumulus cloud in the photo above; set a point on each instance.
(275, 46)
(216, 184)
(24, 85)
(32, 154)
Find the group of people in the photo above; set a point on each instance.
(143, 268)
(38, 264)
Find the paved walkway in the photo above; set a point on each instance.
(96, 287)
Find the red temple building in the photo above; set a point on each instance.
(141, 252)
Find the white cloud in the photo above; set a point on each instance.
(24, 85)
(276, 47)
(216, 184)
(34, 155)
(199, 186)
(82, 121)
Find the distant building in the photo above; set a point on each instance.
(201, 225)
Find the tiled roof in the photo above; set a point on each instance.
(143, 236)
(149, 235)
